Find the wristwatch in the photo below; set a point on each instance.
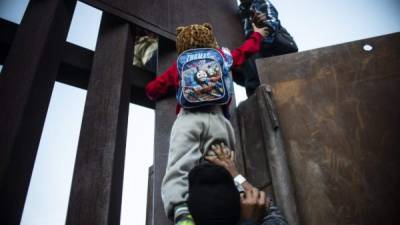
(239, 180)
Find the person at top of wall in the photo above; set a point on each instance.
(278, 42)
(203, 86)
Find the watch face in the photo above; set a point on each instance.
(239, 179)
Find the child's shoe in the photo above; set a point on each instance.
(182, 215)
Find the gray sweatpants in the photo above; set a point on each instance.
(191, 136)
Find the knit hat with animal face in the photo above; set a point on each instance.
(195, 36)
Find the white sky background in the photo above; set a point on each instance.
(313, 23)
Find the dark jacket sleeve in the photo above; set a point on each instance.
(274, 217)
(263, 6)
(245, 16)
(244, 11)
(247, 222)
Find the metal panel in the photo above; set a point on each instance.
(339, 112)
(149, 206)
(76, 64)
(162, 17)
(277, 160)
(7, 33)
(253, 144)
(165, 117)
(238, 148)
(263, 152)
(26, 85)
(96, 191)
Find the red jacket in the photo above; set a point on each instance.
(161, 85)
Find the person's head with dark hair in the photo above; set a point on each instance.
(213, 197)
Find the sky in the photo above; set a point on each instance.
(313, 24)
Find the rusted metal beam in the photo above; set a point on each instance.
(76, 64)
(253, 148)
(277, 160)
(96, 191)
(149, 207)
(164, 118)
(7, 33)
(162, 17)
(26, 84)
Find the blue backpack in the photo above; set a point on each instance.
(204, 77)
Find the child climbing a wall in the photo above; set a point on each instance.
(203, 87)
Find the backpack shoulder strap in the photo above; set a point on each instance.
(228, 57)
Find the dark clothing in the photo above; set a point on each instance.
(273, 217)
(246, 11)
(213, 197)
(248, 75)
(278, 41)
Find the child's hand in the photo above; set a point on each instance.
(263, 30)
(259, 23)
